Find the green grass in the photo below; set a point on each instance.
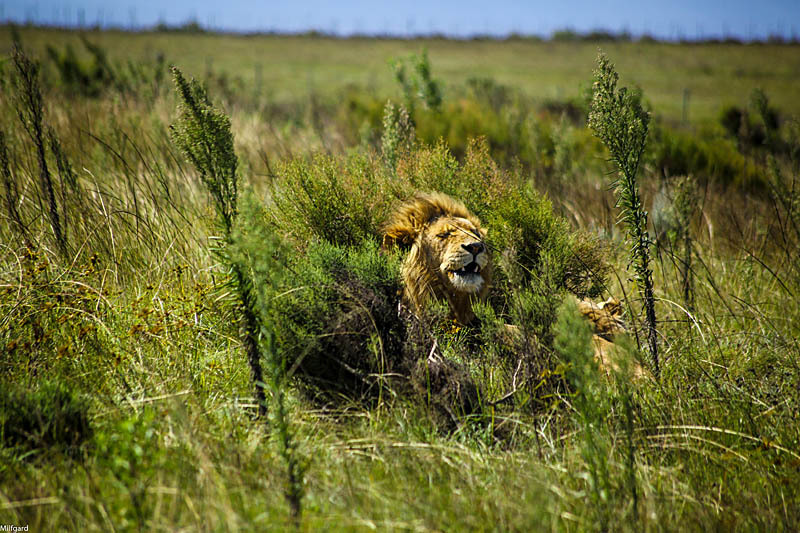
(132, 401)
(715, 75)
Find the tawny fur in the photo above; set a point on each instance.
(435, 229)
(606, 317)
(607, 323)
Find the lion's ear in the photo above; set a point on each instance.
(400, 237)
(405, 225)
(612, 306)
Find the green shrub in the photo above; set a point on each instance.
(346, 338)
(338, 310)
(49, 416)
(337, 320)
(717, 160)
(342, 202)
(540, 243)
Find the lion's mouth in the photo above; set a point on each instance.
(467, 278)
(472, 268)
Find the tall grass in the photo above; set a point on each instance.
(132, 408)
(31, 113)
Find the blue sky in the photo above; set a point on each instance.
(665, 19)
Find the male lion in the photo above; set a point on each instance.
(447, 260)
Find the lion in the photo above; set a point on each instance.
(607, 325)
(448, 260)
(447, 254)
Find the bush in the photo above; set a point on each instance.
(340, 202)
(50, 416)
(346, 337)
(338, 312)
(338, 321)
(678, 153)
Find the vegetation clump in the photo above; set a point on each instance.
(47, 417)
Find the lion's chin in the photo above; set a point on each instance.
(469, 283)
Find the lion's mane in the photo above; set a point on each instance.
(435, 229)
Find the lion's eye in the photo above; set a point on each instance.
(444, 234)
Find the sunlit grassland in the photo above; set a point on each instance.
(287, 66)
(131, 336)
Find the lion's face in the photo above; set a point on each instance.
(447, 256)
(454, 247)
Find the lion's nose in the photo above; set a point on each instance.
(474, 248)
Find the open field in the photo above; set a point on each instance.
(151, 265)
(715, 75)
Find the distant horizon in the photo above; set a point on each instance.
(679, 20)
(563, 34)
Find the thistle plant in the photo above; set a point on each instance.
(617, 118)
(249, 250)
(204, 135)
(421, 85)
(398, 133)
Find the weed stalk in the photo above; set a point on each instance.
(204, 135)
(617, 119)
